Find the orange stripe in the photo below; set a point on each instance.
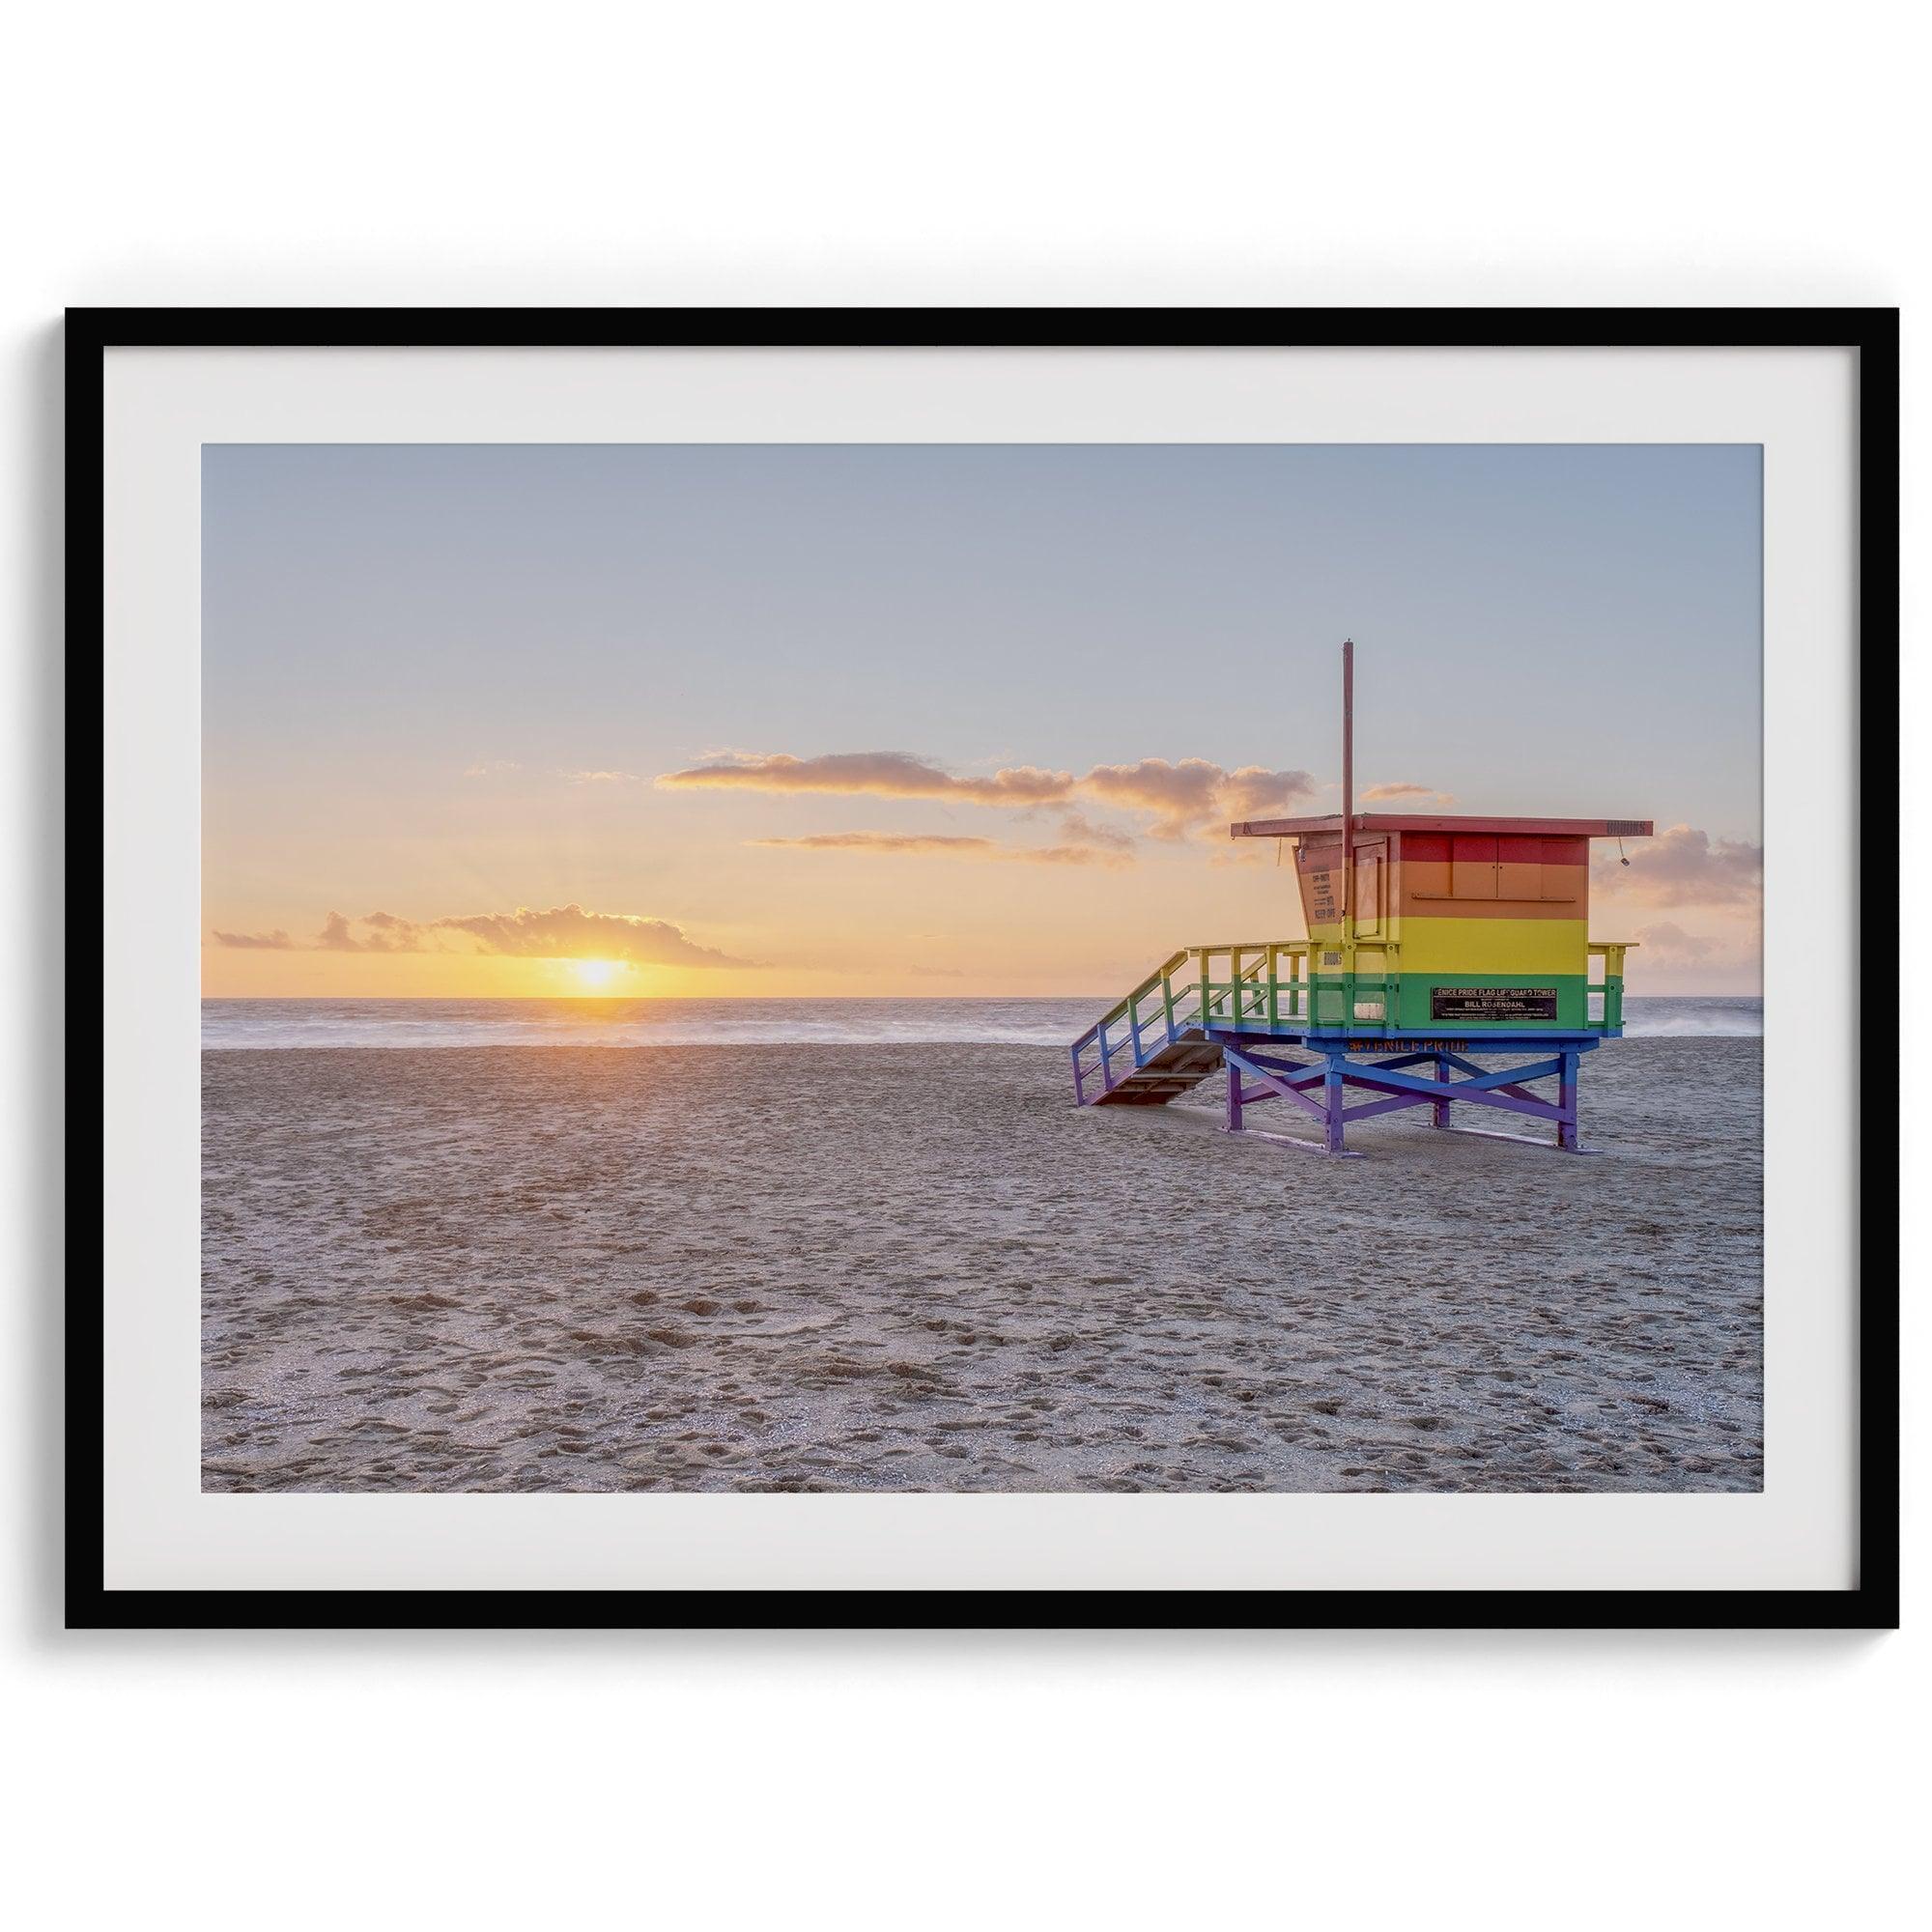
(1425, 890)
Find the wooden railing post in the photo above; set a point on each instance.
(1611, 952)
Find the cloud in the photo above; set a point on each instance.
(563, 932)
(1182, 797)
(1669, 945)
(945, 846)
(389, 934)
(1178, 795)
(570, 932)
(1726, 956)
(383, 932)
(1378, 794)
(874, 774)
(599, 778)
(388, 921)
(1683, 865)
(887, 841)
(1195, 793)
(492, 768)
(1077, 829)
(1253, 791)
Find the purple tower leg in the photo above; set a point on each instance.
(1440, 1108)
(1566, 1098)
(1233, 1098)
(1331, 1099)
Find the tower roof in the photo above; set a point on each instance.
(1406, 821)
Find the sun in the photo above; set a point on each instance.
(596, 974)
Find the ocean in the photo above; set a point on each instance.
(590, 1022)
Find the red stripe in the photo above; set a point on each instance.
(1441, 845)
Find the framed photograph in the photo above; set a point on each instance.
(984, 968)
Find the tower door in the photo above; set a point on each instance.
(1368, 901)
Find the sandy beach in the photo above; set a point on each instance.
(921, 1269)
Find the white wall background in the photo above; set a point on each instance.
(747, 152)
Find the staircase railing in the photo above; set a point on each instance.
(1095, 1040)
(1190, 990)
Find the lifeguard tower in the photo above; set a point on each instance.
(1430, 940)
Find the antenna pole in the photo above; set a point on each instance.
(1348, 789)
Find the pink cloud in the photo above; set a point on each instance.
(1194, 794)
(278, 941)
(888, 841)
(1180, 797)
(383, 932)
(1669, 945)
(910, 844)
(1378, 794)
(562, 932)
(876, 773)
(1253, 791)
(335, 936)
(1077, 829)
(1683, 865)
(570, 932)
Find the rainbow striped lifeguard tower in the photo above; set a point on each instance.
(1431, 939)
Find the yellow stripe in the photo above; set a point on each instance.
(1494, 945)
(1472, 944)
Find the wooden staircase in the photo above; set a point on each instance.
(1160, 1040)
(1171, 1071)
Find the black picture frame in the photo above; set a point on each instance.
(1871, 332)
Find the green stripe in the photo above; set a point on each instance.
(1412, 1000)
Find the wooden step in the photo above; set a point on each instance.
(1172, 1071)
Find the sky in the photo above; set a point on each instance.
(958, 720)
